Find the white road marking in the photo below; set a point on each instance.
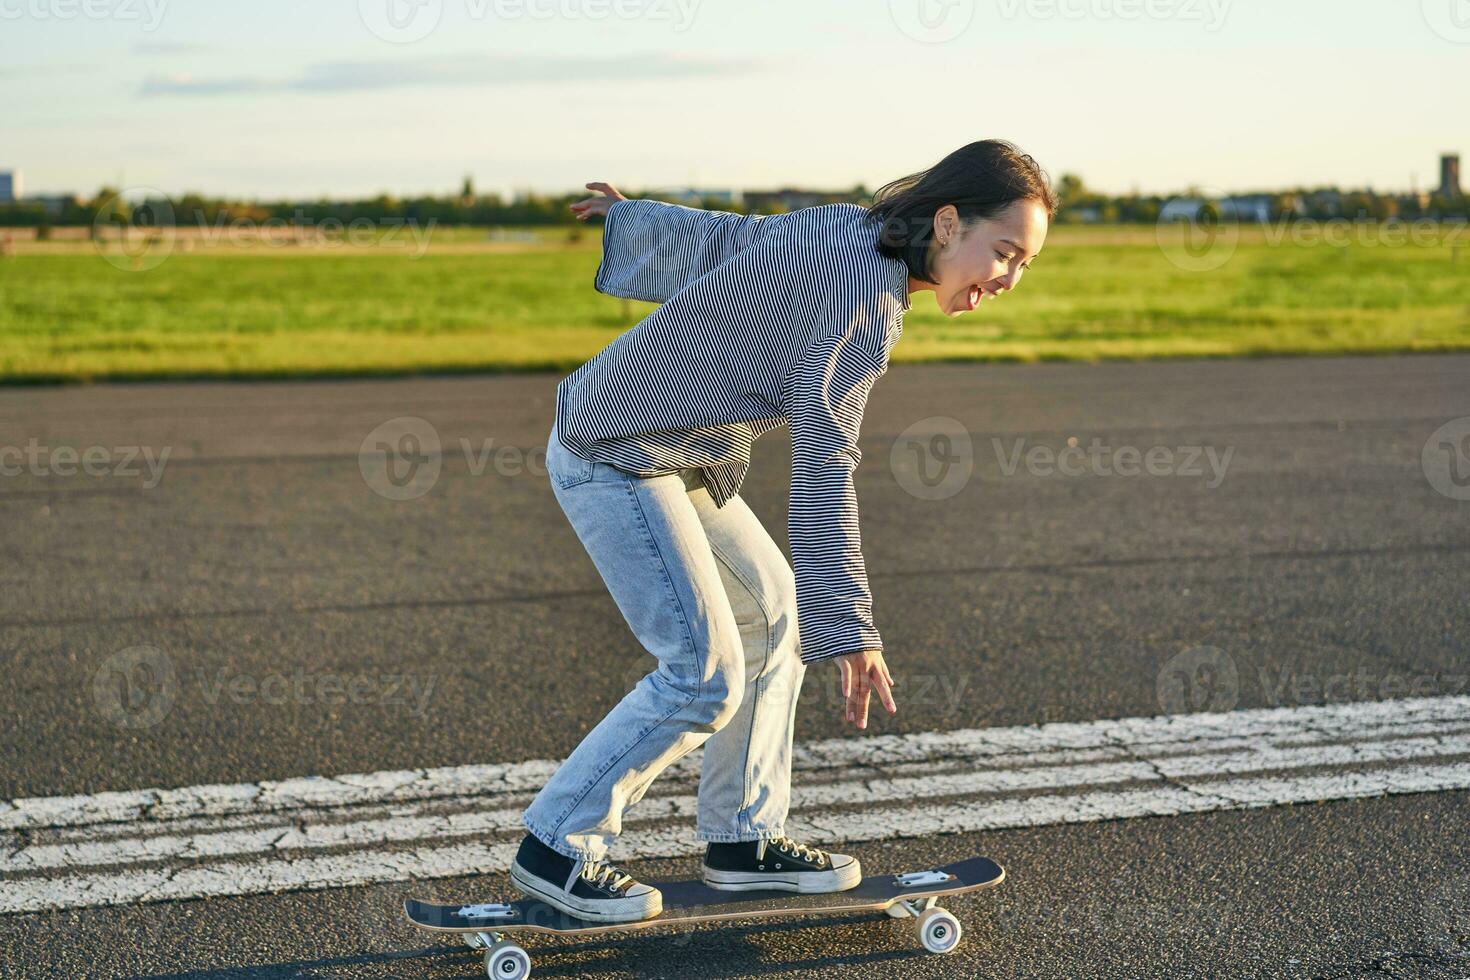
(408, 826)
(252, 838)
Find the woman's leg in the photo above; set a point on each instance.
(648, 543)
(745, 785)
(745, 782)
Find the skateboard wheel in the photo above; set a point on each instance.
(507, 961)
(939, 931)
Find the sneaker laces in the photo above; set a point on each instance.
(606, 875)
(800, 850)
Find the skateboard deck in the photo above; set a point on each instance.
(902, 895)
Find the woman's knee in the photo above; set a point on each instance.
(722, 690)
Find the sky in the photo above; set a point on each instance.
(345, 98)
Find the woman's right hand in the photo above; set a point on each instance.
(864, 673)
(597, 205)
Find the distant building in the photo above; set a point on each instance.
(1247, 207)
(55, 204)
(792, 199)
(1449, 175)
(1182, 209)
(696, 196)
(10, 186)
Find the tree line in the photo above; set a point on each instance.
(1077, 204)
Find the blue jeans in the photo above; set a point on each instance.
(712, 597)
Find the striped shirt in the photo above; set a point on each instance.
(765, 320)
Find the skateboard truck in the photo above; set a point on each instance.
(917, 879)
(496, 910)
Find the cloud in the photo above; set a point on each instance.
(465, 70)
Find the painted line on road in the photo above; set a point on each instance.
(421, 784)
(408, 826)
(989, 779)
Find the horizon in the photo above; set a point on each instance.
(522, 193)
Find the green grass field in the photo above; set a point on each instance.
(468, 303)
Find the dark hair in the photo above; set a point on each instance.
(980, 179)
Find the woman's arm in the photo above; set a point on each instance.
(651, 250)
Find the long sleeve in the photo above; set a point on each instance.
(830, 391)
(651, 250)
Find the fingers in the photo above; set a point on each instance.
(857, 700)
(845, 670)
(587, 207)
(881, 684)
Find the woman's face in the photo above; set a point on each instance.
(984, 258)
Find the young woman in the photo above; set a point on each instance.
(765, 320)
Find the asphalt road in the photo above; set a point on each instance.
(1296, 526)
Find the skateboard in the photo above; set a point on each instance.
(902, 896)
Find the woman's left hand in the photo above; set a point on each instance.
(863, 673)
(597, 205)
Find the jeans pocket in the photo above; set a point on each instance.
(566, 467)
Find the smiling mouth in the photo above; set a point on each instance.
(975, 296)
